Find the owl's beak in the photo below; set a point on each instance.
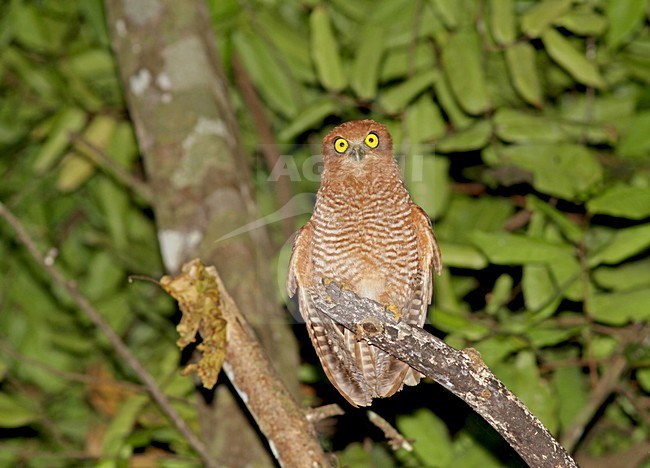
(358, 153)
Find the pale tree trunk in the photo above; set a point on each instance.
(178, 100)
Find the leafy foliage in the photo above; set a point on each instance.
(522, 128)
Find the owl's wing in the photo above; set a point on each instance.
(300, 254)
(331, 342)
(429, 260)
(428, 254)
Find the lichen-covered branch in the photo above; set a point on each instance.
(462, 372)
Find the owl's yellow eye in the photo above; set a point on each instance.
(372, 140)
(340, 145)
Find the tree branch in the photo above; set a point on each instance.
(289, 434)
(462, 372)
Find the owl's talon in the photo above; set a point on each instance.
(397, 313)
(344, 287)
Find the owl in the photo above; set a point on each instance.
(365, 234)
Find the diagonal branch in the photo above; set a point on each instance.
(285, 426)
(462, 372)
(118, 345)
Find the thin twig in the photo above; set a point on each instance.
(116, 342)
(315, 415)
(395, 439)
(606, 385)
(96, 155)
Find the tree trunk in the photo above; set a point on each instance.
(178, 100)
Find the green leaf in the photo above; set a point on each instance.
(70, 119)
(571, 60)
(396, 98)
(513, 249)
(403, 61)
(430, 436)
(563, 170)
(583, 22)
(309, 117)
(76, 168)
(119, 429)
(426, 178)
(495, 349)
(41, 80)
(566, 273)
(520, 58)
(325, 51)
(15, 413)
(622, 200)
(116, 309)
(541, 15)
(450, 105)
(461, 59)
(619, 308)
(104, 276)
(290, 42)
(462, 256)
(470, 450)
(571, 395)
(635, 141)
(34, 30)
(538, 287)
(269, 76)
(523, 379)
(447, 294)
(365, 68)
(546, 334)
(358, 455)
(449, 11)
(502, 21)
(92, 64)
(624, 17)
(501, 294)
(472, 138)
(625, 277)
(623, 244)
(570, 229)
(643, 377)
(424, 120)
(468, 214)
(516, 126)
(454, 322)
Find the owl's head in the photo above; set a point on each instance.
(357, 143)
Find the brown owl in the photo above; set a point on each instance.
(367, 235)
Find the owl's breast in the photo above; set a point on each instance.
(367, 243)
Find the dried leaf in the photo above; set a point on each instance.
(199, 299)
